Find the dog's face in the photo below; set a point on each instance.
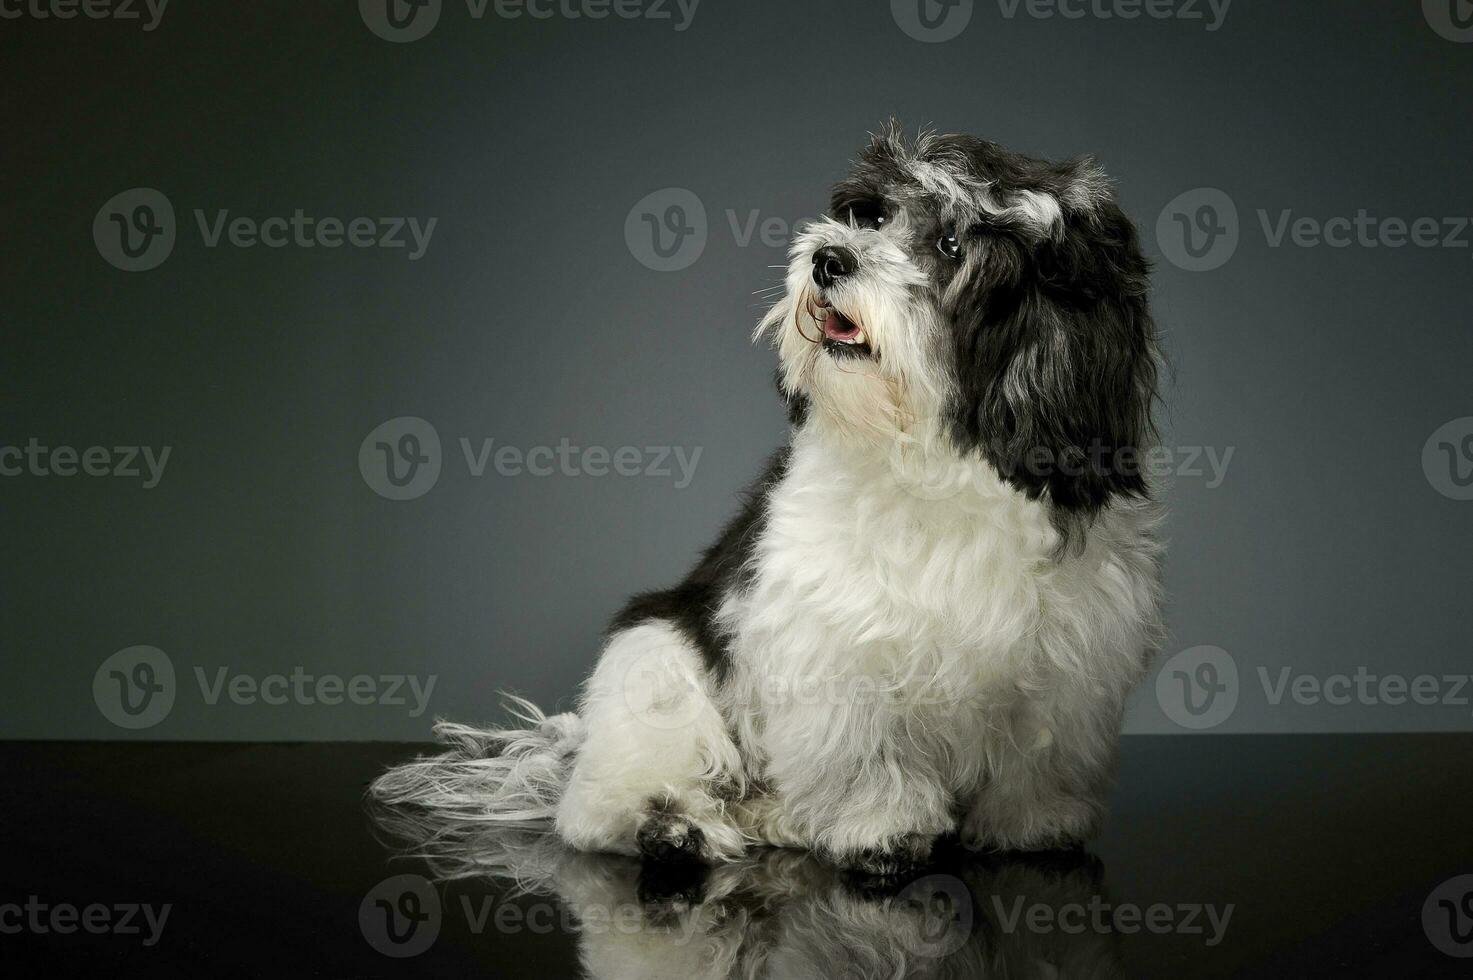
(956, 291)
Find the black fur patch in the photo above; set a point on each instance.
(1052, 345)
(797, 405)
(1055, 360)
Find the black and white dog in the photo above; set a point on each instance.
(928, 615)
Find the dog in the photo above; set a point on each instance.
(926, 617)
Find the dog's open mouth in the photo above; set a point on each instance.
(842, 337)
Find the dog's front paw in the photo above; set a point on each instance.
(667, 835)
(896, 856)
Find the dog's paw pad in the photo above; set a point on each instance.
(668, 835)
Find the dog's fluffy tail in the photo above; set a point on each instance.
(507, 778)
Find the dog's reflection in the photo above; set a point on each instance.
(784, 914)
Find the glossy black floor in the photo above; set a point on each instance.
(1304, 856)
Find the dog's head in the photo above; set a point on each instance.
(996, 301)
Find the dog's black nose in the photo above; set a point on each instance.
(832, 263)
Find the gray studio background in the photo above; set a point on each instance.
(1330, 543)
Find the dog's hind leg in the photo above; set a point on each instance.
(655, 752)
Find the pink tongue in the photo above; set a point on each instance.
(837, 328)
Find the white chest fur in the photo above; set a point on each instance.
(870, 565)
(889, 592)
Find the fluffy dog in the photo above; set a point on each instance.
(929, 612)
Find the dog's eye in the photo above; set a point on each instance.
(868, 214)
(949, 245)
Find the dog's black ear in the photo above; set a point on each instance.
(1056, 354)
